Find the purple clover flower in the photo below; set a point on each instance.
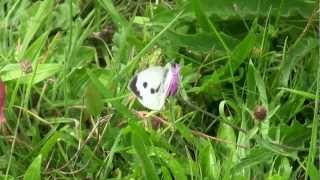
(174, 84)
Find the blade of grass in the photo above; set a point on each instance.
(314, 133)
(136, 59)
(35, 23)
(304, 94)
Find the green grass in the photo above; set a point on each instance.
(72, 116)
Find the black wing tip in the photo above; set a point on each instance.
(133, 87)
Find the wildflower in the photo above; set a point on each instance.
(174, 84)
(260, 113)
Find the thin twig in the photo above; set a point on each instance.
(143, 114)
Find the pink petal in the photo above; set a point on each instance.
(174, 84)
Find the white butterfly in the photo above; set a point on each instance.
(153, 85)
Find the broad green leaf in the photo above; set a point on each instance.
(93, 100)
(256, 156)
(14, 72)
(314, 173)
(227, 133)
(279, 149)
(186, 133)
(48, 146)
(175, 167)
(285, 169)
(200, 15)
(294, 135)
(304, 94)
(243, 50)
(140, 148)
(209, 166)
(203, 42)
(237, 9)
(165, 173)
(34, 170)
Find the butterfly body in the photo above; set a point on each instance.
(152, 86)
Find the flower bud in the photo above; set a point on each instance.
(260, 113)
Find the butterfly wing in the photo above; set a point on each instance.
(148, 86)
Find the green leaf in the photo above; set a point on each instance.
(93, 100)
(201, 17)
(238, 56)
(48, 146)
(209, 166)
(115, 15)
(227, 133)
(314, 172)
(36, 21)
(276, 148)
(82, 56)
(203, 42)
(44, 71)
(186, 133)
(304, 94)
(36, 47)
(248, 9)
(165, 173)
(285, 169)
(295, 54)
(175, 167)
(243, 50)
(261, 88)
(140, 147)
(34, 170)
(108, 93)
(251, 87)
(256, 157)
(294, 135)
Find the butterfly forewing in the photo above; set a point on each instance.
(148, 86)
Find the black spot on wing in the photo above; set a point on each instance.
(152, 91)
(145, 84)
(133, 87)
(158, 88)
